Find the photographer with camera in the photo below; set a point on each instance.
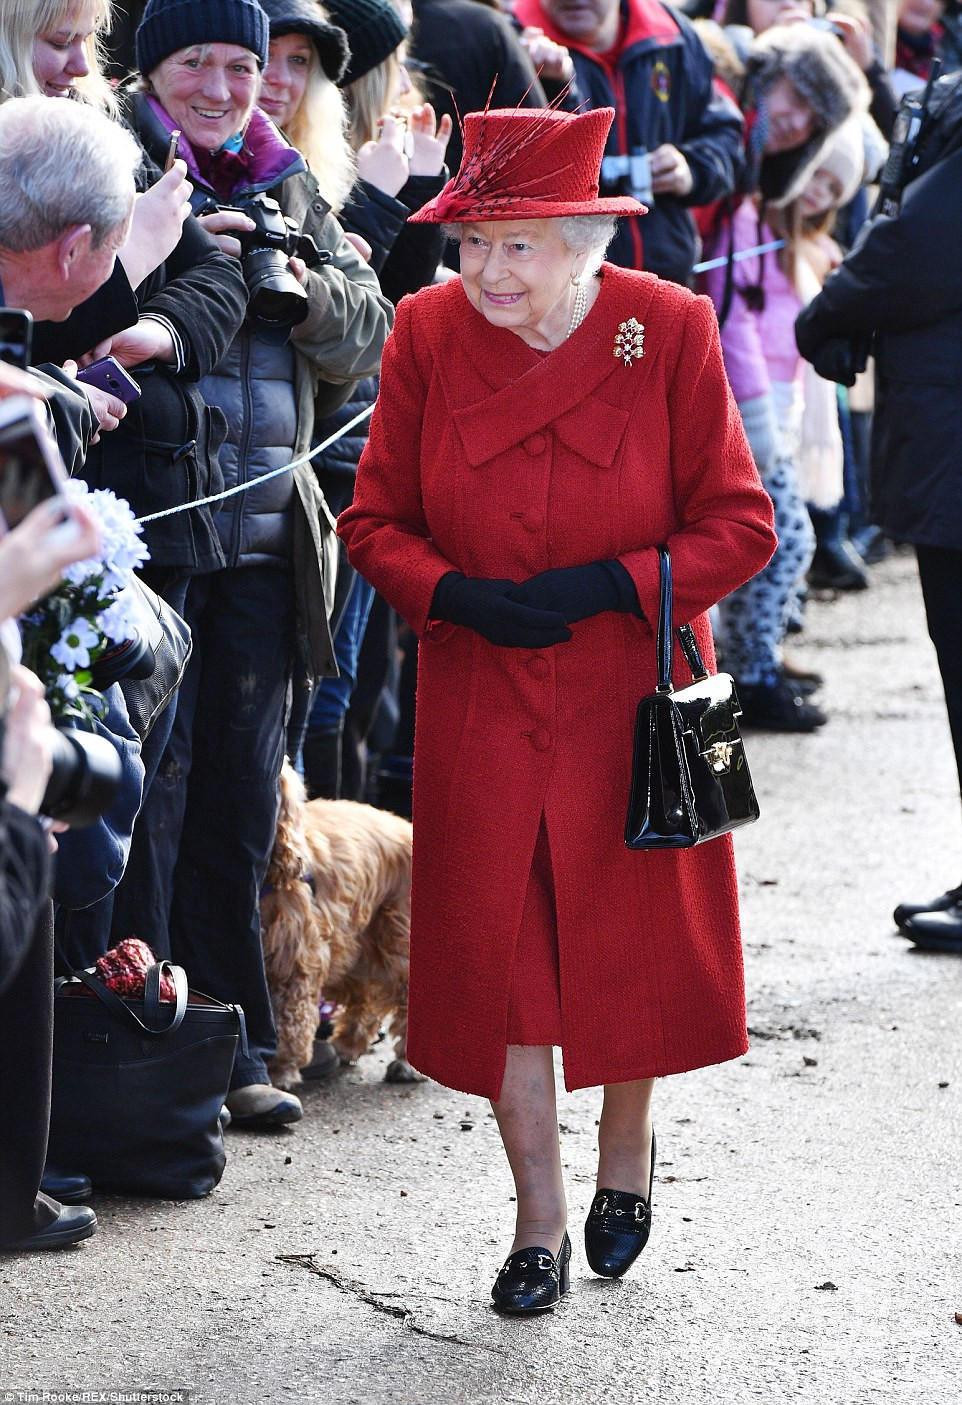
(316, 323)
(898, 292)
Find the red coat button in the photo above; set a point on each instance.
(541, 739)
(537, 666)
(535, 444)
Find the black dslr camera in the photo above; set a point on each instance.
(276, 300)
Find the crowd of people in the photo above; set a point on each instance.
(409, 237)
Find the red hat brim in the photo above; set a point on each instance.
(530, 210)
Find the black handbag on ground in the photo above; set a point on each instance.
(166, 642)
(139, 1083)
(689, 774)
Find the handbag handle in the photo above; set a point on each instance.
(686, 635)
(152, 1002)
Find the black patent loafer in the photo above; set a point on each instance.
(617, 1227)
(533, 1280)
(936, 931)
(946, 902)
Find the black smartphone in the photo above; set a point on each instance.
(16, 336)
(108, 374)
(31, 468)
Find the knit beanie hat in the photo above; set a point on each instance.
(307, 17)
(374, 29)
(169, 25)
(844, 156)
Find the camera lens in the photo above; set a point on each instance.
(274, 294)
(84, 779)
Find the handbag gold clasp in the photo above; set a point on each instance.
(719, 756)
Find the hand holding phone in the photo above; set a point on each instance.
(172, 149)
(108, 375)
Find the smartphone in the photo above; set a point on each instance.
(16, 335)
(31, 468)
(108, 374)
(172, 149)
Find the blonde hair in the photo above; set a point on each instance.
(319, 130)
(369, 98)
(22, 22)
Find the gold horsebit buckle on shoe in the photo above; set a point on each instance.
(639, 1212)
(544, 1262)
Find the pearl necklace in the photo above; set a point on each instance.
(579, 309)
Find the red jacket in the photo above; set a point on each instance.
(500, 461)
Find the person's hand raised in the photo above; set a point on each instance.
(156, 224)
(385, 163)
(429, 140)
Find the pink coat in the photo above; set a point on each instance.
(491, 458)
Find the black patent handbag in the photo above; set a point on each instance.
(689, 773)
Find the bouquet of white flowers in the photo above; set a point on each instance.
(90, 618)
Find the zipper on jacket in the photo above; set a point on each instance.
(243, 446)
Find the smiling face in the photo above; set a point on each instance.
(791, 120)
(518, 274)
(291, 60)
(209, 91)
(61, 54)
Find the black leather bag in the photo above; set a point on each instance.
(139, 1083)
(689, 774)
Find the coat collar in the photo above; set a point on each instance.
(581, 389)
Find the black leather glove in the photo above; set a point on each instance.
(486, 607)
(578, 592)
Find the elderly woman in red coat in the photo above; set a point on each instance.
(545, 421)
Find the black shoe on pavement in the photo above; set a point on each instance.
(936, 931)
(943, 903)
(533, 1280)
(74, 1222)
(837, 566)
(777, 707)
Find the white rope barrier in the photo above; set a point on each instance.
(365, 414)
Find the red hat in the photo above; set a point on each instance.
(529, 164)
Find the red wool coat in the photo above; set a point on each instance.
(491, 458)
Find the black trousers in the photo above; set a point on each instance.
(204, 836)
(26, 1053)
(940, 571)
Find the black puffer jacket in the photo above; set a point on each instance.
(901, 287)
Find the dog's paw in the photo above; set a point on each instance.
(400, 1071)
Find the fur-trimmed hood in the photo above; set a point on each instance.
(817, 66)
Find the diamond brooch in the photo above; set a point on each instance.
(630, 341)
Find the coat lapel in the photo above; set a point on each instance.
(502, 391)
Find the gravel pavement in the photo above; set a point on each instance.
(806, 1239)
